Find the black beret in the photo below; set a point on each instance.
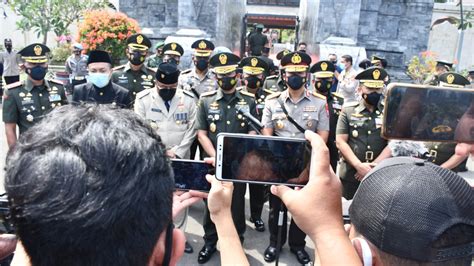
(99, 56)
(452, 79)
(35, 53)
(167, 73)
(173, 48)
(364, 64)
(323, 69)
(139, 41)
(253, 65)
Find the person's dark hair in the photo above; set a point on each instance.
(89, 185)
(302, 43)
(348, 58)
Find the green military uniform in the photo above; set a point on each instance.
(276, 83)
(363, 128)
(433, 79)
(135, 81)
(156, 59)
(24, 103)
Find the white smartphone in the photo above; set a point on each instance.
(262, 159)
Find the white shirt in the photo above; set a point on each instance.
(347, 85)
(11, 62)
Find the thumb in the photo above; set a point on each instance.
(283, 192)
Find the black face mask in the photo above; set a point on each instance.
(77, 52)
(8, 47)
(136, 58)
(201, 64)
(323, 85)
(167, 94)
(173, 61)
(372, 98)
(37, 72)
(303, 51)
(227, 83)
(296, 82)
(253, 82)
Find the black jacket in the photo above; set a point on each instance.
(110, 94)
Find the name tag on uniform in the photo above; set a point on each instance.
(54, 97)
(156, 110)
(309, 109)
(122, 80)
(378, 122)
(336, 106)
(27, 102)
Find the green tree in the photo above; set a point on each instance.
(43, 16)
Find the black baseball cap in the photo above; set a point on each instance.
(405, 205)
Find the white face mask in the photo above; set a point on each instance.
(366, 251)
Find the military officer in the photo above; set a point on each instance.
(382, 63)
(358, 131)
(289, 114)
(253, 69)
(156, 59)
(276, 83)
(172, 52)
(170, 111)
(441, 68)
(217, 112)
(134, 75)
(443, 153)
(27, 102)
(323, 78)
(99, 87)
(199, 79)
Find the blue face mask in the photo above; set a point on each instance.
(99, 80)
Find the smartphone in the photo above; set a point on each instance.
(191, 175)
(262, 159)
(427, 113)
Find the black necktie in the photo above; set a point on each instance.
(167, 104)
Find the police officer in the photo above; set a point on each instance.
(443, 153)
(323, 79)
(276, 83)
(253, 69)
(99, 87)
(199, 79)
(217, 112)
(358, 131)
(156, 59)
(134, 75)
(172, 52)
(289, 114)
(441, 68)
(170, 111)
(27, 102)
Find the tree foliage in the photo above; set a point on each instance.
(43, 16)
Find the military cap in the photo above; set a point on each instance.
(471, 72)
(35, 53)
(224, 63)
(444, 64)
(282, 53)
(98, 56)
(253, 65)
(372, 77)
(364, 64)
(202, 48)
(159, 45)
(296, 62)
(379, 60)
(323, 69)
(451, 79)
(259, 26)
(139, 42)
(173, 48)
(167, 73)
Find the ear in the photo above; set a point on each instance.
(367, 252)
(176, 252)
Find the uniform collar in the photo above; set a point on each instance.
(286, 95)
(361, 107)
(220, 94)
(195, 75)
(29, 85)
(128, 67)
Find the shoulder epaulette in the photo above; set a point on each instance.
(240, 88)
(56, 81)
(338, 95)
(268, 91)
(247, 93)
(14, 85)
(188, 93)
(118, 67)
(186, 71)
(273, 95)
(319, 95)
(209, 93)
(272, 77)
(143, 94)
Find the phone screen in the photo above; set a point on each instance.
(429, 114)
(191, 175)
(268, 160)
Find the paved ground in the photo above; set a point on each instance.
(255, 242)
